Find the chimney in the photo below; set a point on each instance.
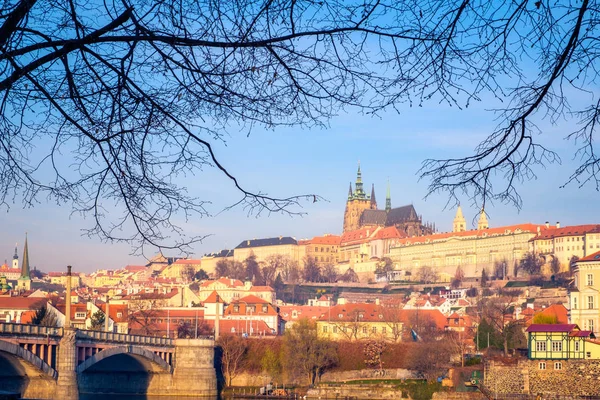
(547, 224)
(557, 224)
(377, 301)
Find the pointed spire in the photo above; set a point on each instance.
(359, 192)
(388, 198)
(16, 256)
(350, 191)
(25, 267)
(460, 224)
(373, 200)
(483, 222)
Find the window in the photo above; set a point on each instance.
(590, 279)
(384, 330)
(324, 329)
(577, 346)
(374, 329)
(364, 329)
(590, 301)
(334, 329)
(574, 303)
(79, 315)
(236, 308)
(557, 365)
(540, 346)
(542, 365)
(119, 315)
(591, 325)
(556, 345)
(264, 308)
(588, 354)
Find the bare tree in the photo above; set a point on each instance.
(532, 263)
(349, 276)
(233, 349)
(427, 274)
(311, 272)
(497, 311)
(135, 94)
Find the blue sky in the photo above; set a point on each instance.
(293, 161)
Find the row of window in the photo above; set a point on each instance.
(344, 329)
(590, 303)
(556, 345)
(325, 249)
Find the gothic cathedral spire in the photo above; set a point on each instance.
(388, 198)
(24, 281)
(350, 191)
(359, 192)
(373, 201)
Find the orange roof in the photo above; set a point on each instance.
(502, 230)
(591, 257)
(391, 232)
(136, 268)
(575, 230)
(22, 303)
(261, 289)
(326, 239)
(242, 308)
(358, 236)
(213, 298)
(225, 281)
(252, 299)
(308, 312)
(187, 261)
(556, 310)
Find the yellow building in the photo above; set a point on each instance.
(564, 243)
(209, 261)
(560, 342)
(60, 278)
(359, 321)
(323, 249)
(471, 250)
(584, 297)
(263, 248)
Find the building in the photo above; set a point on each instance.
(360, 321)
(11, 274)
(323, 249)
(249, 310)
(565, 243)
(362, 212)
(584, 296)
(231, 289)
(471, 250)
(209, 261)
(560, 342)
(262, 248)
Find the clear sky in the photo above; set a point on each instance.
(290, 161)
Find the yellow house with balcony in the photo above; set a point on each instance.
(560, 342)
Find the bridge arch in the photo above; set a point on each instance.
(31, 361)
(135, 351)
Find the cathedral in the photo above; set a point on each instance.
(361, 212)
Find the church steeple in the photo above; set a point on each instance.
(460, 224)
(359, 192)
(15, 261)
(350, 191)
(388, 198)
(25, 266)
(483, 222)
(16, 256)
(373, 201)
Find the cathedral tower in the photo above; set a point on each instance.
(15, 262)
(460, 224)
(357, 202)
(388, 198)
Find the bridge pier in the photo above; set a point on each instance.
(66, 385)
(194, 373)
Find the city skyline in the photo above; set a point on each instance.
(298, 161)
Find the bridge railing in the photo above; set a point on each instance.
(124, 338)
(9, 328)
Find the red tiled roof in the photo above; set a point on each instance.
(308, 312)
(326, 239)
(557, 310)
(213, 298)
(391, 232)
(252, 299)
(261, 289)
(136, 268)
(357, 236)
(591, 257)
(22, 303)
(552, 328)
(575, 230)
(531, 228)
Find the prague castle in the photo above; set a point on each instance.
(361, 212)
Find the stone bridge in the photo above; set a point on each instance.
(45, 362)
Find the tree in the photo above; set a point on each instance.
(290, 271)
(222, 268)
(330, 274)
(200, 275)
(545, 319)
(306, 353)
(142, 315)
(532, 263)
(271, 364)
(484, 277)
(272, 265)
(373, 349)
(43, 317)
(572, 262)
(500, 268)
(349, 276)
(233, 349)
(311, 272)
(187, 273)
(427, 274)
(430, 364)
(253, 270)
(391, 315)
(459, 275)
(384, 266)
(97, 321)
(555, 265)
(495, 311)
